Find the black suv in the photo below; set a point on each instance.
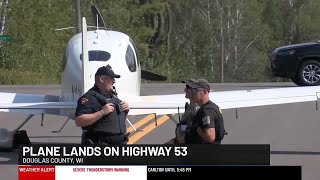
(299, 62)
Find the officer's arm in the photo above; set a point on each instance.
(207, 134)
(87, 119)
(207, 126)
(84, 118)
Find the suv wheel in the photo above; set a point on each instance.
(309, 73)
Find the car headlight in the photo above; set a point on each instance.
(286, 53)
(273, 54)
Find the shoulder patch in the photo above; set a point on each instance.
(83, 100)
(206, 120)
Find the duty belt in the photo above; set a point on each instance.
(104, 138)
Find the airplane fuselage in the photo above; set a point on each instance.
(104, 47)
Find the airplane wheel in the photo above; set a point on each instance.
(20, 138)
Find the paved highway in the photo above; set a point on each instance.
(290, 129)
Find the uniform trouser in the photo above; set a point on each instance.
(100, 138)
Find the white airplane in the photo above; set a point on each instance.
(89, 50)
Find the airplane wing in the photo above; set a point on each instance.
(165, 104)
(236, 99)
(263, 97)
(48, 104)
(14, 102)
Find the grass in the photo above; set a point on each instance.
(17, 77)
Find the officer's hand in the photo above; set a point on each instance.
(180, 139)
(125, 106)
(106, 109)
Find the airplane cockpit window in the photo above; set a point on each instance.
(98, 56)
(131, 60)
(135, 49)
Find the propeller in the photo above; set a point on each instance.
(97, 18)
(99, 22)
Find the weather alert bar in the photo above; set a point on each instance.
(36, 172)
(62, 161)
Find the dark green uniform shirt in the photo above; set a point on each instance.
(208, 116)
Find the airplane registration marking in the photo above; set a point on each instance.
(147, 129)
(141, 122)
(76, 93)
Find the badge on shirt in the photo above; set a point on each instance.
(206, 120)
(83, 100)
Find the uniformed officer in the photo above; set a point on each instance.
(207, 125)
(186, 121)
(191, 109)
(100, 113)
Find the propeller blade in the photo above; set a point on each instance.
(96, 14)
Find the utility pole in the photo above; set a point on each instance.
(78, 16)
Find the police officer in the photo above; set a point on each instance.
(191, 109)
(100, 113)
(207, 125)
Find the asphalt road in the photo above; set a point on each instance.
(290, 129)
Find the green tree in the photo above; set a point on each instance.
(35, 46)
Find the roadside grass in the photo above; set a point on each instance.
(16, 77)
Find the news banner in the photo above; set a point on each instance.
(149, 162)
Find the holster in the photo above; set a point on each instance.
(97, 139)
(85, 140)
(126, 138)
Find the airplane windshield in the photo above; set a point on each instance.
(131, 60)
(98, 56)
(135, 49)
